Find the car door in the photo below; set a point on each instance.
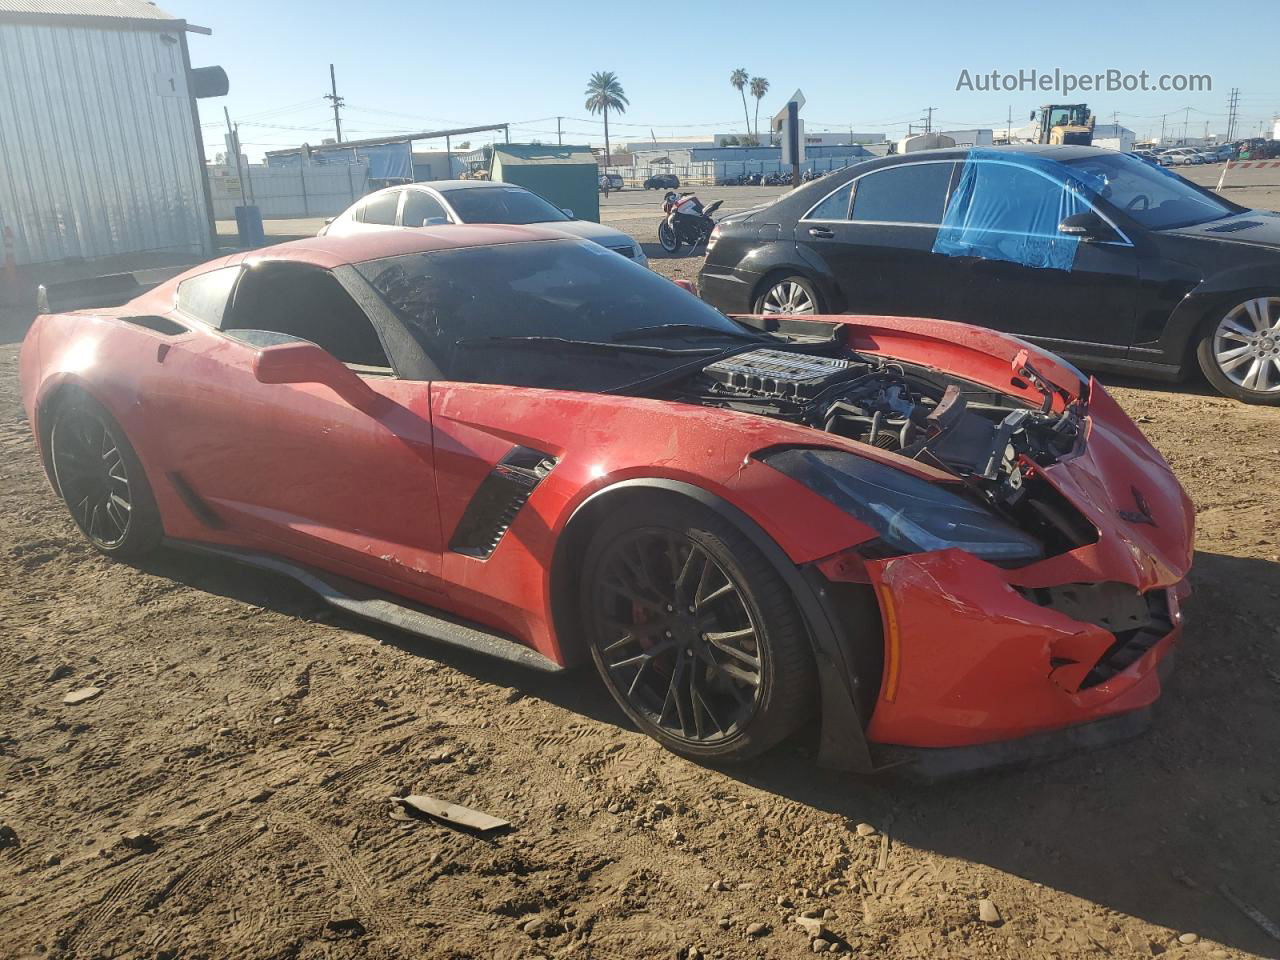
(422, 209)
(1022, 275)
(875, 236)
(377, 212)
(344, 481)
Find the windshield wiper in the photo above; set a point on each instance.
(659, 330)
(605, 345)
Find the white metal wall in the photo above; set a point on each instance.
(97, 144)
(283, 192)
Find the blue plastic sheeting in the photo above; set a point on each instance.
(1007, 206)
(387, 161)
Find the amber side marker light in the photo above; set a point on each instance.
(893, 645)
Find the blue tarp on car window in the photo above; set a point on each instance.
(1007, 206)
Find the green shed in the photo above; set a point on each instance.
(567, 176)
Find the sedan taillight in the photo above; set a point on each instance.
(715, 235)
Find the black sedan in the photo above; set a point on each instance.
(662, 181)
(1105, 259)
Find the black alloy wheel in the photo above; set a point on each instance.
(695, 634)
(100, 479)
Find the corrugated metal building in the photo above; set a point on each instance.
(100, 153)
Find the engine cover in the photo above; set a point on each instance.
(776, 373)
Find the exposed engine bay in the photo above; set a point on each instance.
(984, 437)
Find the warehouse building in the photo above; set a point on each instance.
(100, 147)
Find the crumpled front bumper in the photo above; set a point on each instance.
(971, 659)
(976, 655)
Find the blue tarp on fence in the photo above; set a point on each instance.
(387, 161)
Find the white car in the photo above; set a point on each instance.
(472, 201)
(1181, 157)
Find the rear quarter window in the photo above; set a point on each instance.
(205, 297)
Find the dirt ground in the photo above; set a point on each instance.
(253, 738)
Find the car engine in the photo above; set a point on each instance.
(966, 429)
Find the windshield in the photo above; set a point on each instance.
(598, 321)
(501, 205)
(1154, 197)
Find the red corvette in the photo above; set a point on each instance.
(950, 546)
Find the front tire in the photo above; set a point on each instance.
(694, 632)
(1239, 350)
(100, 479)
(788, 296)
(667, 237)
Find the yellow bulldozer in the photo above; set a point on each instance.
(1063, 123)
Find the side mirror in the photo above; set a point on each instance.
(1087, 226)
(303, 362)
(435, 221)
(298, 362)
(567, 212)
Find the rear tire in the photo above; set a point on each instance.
(1239, 349)
(695, 633)
(100, 479)
(788, 296)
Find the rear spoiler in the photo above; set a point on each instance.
(110, 290)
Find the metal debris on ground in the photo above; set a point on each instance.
(1253, 913)
(454, 814)
(83, 695)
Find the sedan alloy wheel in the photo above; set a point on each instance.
(788, 297)
(1246, 345)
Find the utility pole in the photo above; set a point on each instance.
(337, 103)
(1186, 124)
(1233, 105)
(1008, 130)
(928, 119)
(559, 138)
(1162, 119)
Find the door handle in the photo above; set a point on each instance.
(821, 232)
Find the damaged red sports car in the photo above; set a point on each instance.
(949, 546)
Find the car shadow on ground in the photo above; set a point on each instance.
(1153, 827)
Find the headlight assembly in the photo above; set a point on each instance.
(910, 515)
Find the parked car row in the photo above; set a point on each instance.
(1188, 156)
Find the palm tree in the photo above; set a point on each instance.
(604, 92)
(739, 81)
(759, 87)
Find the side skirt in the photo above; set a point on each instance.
(385, 608)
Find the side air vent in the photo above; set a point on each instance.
(497, 501)
(170, 328)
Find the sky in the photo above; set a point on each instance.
(873, 66)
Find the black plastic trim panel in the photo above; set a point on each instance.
(498, 499)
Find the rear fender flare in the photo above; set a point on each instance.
(843, 743)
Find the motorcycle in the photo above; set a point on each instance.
(685, 220)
